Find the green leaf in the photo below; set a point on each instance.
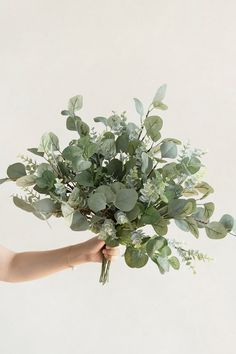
(35, 152)
(215, 230)
(75, 104)
(72, 123)
(200, 217)
(161, 227)
(163, 262)
(108, 148)
(153, 125)
(47, 180)
(174, 262)
(182, 224)
(179, 208)
(108, 192)
(71, 152)
(115, 168)
(159, 96)
(79, 164)
(79, 222)
(162, 106)
(65, 113)
(101, 119)
(228, 222)
(209, 209)
(150, 216)
(169, 149)
(83, 129)
(192, 164)
(16, 171)
(43, 167)
(174, 140)
(2, 180)
(85, 178)
(133, 213)
(133, 145)
(154, 245)
(165, 251)
(97, 201)
(116, 186)
(26, 181)
(126, 199)
(193, 228)
(45, 206)
(122, 143)
(204, 188)
(20, 203)
(139, 107)
(49, 142)
(135, 258)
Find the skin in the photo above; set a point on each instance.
(26, 266)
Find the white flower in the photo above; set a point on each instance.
(153, 189)
(137, 236)
(107, 230)
(60, 189)
(121, 217)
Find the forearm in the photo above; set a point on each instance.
(25, 266)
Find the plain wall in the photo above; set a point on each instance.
(112, 51)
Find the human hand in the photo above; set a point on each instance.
(93, 248)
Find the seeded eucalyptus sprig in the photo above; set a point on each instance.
(117, 182)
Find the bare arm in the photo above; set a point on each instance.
(25, 266)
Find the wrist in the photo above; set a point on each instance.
(77, 255)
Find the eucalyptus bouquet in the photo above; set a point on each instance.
(117, 182)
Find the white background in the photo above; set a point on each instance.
(112, 51)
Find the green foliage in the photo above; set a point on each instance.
(16, 171)
(120, 180)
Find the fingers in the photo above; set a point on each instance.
(111, 253)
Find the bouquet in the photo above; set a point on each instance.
(117, 182)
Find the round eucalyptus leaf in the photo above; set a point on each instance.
(97, 201)
(45, 206)
(228, 222)
(116, 186)
(71, 152)
(126, 199)
(79, 222)
(192, 164)
(85, 178)
(20, 203)
(161, 227)
(215, 230)
(108, 192)
(16, 171)
(135, 258)
(26, 181)
(168, 149)
(72, 123)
